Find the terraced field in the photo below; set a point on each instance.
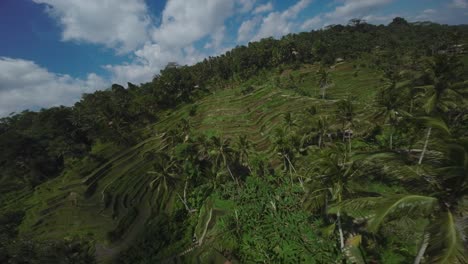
(100, 196)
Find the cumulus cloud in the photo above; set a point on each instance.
(276, 24)
(183, 23)
(246, 29)
(26, 85)
(119, 24)
(246, 5)
(460, 3)
(217, 38)
(149, 60)
(311, 23)
(353, 9)
(263, 8)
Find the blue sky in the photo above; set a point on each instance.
(52, 51)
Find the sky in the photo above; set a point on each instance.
(53, 51)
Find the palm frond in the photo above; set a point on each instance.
(377, 209)
(446, 243)
(401, 205)
(436, 123)
(352, 251)
(384, 155)
(315, 200)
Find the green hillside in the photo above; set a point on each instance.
(95, 198)
(311, 160)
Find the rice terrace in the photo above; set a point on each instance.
(331, 139)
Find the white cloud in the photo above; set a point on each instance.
(460, 3)
(246, 29)
(311, 23)
(263, 8)
(380, 19)
(276, 24)
(184, 22)
(119, 24)
(246, 5)
(149, 60)
(217, 38)
(24, 84)
(353, 9)
(429, 11)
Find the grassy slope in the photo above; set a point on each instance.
(121, 180)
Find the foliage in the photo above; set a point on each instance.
(269, 225)
(379, 165)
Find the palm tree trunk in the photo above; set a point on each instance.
(232, 176)
(320, 141)
(184, 202)
(349, 142)
(340, 230)
(291, 167)
(391, 141)
(422, 249)
(425, 145)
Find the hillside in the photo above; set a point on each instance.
(94, 198)
(313, 161)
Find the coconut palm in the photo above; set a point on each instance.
(221, 154)
(334, 172)
(345, 113)
(284, 146)
(389, 108)
(442, 94)
(166, 174)
(324, 80)
(323, 127)
(243, 149)
(289, 121)
(443, 204)
(314, 130)
(184, 126)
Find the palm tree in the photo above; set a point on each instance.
(345, 114)
(289, 121)
(323, 127)
(324, 80)
(442, 204)
(173, 136)
(284, 146)
(221, 154)
(243, 148)
(315, 130)
(184, 126)
(390, 103)
(335, 171)
(442, 93)
(166, 174)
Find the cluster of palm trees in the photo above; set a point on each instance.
(190, 160)
(316, 152)
(436, 184)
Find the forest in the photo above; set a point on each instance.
(347, 144)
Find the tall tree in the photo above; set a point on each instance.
(441, 94)
(324, 80)
(442, 203)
